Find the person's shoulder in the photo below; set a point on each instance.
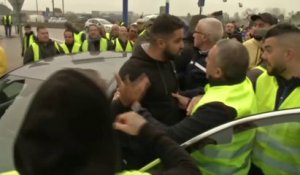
(248, 42)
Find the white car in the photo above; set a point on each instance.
(99, 21)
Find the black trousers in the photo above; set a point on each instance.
(7, 30)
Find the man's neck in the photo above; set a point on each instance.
(293, 72)
(206, 47)
(154, 52)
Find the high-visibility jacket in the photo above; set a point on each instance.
(103, 45)
(277, 147)
(260, 68)
(25, 41)
(107, 35)
(142, 33)
(9, 22)
(75, 49)
(119, 48)
(77, 37)
(36, 50)
(122, 173)
(231, 158)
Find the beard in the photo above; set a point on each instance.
(275, 70)
(171, 56)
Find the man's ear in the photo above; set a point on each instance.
(161, 43)
(219, 73)
(291, 54)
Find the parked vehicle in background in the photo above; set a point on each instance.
(36, 18)
(99, 21)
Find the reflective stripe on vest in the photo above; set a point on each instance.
(31, 40)
(122, 173)
(36, 50)
(277, 147)
(142, 33)
(260, 68)
(133, 173)
(10, 173)
(75, 48)
(103, 45)
(77, 37)
(119, 47)
(9, 20)
(234, 157)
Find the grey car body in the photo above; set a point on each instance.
(20, 85)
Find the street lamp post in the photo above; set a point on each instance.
(37, 7)
(167, 7)
(63, 7)
(125, 12)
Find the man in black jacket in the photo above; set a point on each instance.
(155, 59)
(228, 96)
(43, 48)
(207, 32)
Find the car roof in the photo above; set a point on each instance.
(105, 63)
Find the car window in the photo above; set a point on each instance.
(9, 89)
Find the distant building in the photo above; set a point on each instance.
(4, 10)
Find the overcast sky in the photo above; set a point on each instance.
(177, 7)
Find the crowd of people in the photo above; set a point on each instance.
(170, 90)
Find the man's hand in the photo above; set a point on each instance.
(130, 123)
(182, 100)
(192, 104)
(132, 91)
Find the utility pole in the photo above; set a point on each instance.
(167, 7)
(53, 13)
(37, 7)
(125, 12)
(63, 7)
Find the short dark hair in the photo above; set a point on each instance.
(282, 29)
(233, 59)
(68, 30)
(27, 26)
(66, 129)
(165, 25)
(39, 27)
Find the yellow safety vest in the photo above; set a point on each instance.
(260, 68)
(277, 147)
(122, 173)
(31, 40)
(36, 50)
(75, 49)
(232, 158)
(107, 35)
(9, 20)
(142, 33)
(119, 48)
(103, 45)
(77, 37)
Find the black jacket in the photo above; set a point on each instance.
(175, 160)
(195, 77)
(206, 117)
(46, 50)
(158, 99)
